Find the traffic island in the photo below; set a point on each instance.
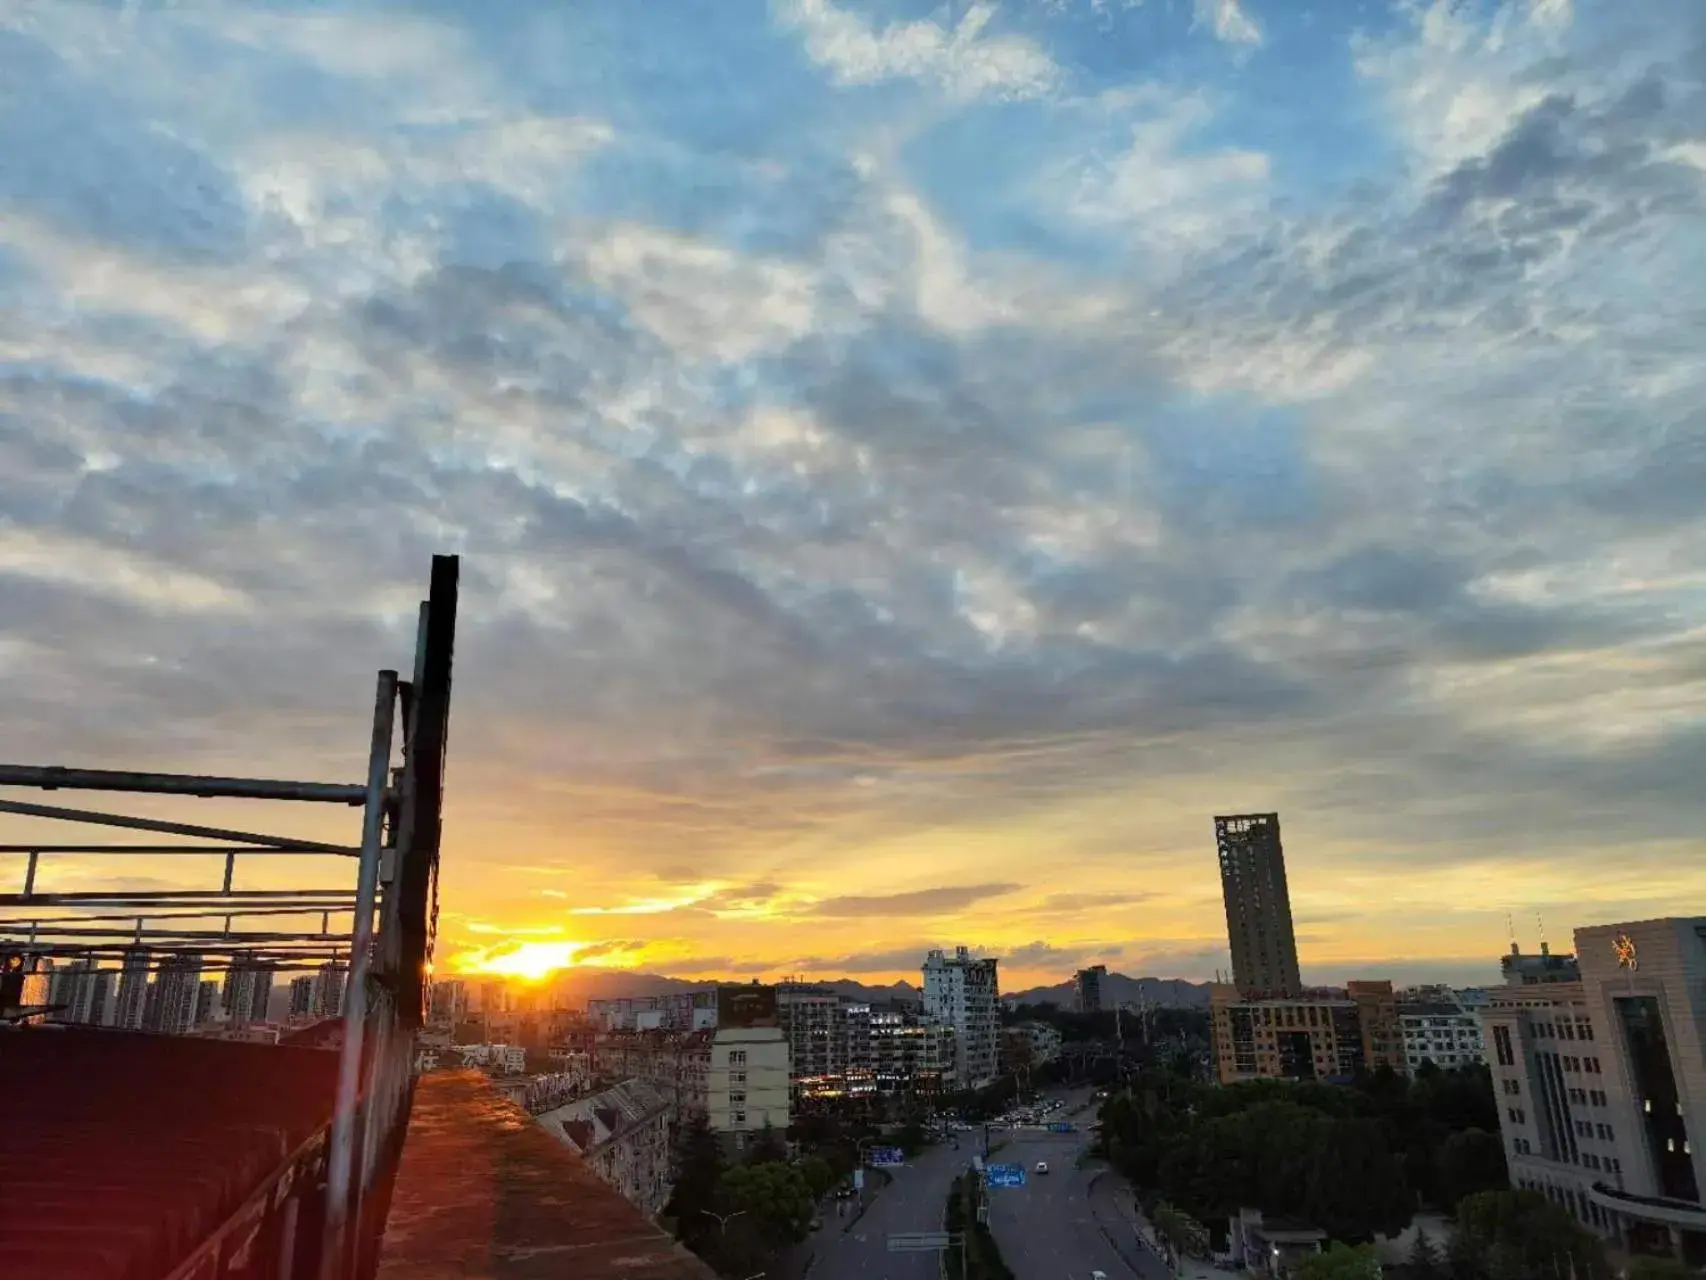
(972, 1253)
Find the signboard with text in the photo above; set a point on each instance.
(885, 1157)
(1004, 1175)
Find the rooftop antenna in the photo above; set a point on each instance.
(1541, 925)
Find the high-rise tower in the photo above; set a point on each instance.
(1258, 905)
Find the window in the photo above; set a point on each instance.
(1591, 1160)
(737, 1117)
(1513, 1086)
(737, 1099)
(1616, 1164)
(1502, 1046)
(1593, 1065)
(1584, 1029)
(1568, 1029)
(1584, 1129)
(1515, 1114)
(737, 1057)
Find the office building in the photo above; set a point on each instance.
(1601, 1081)
(1087, 986)
(965, 994)
(1258, 905)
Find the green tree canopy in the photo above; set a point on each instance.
(1340, 1262)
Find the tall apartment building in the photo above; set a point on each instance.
(247, 991)
(1601, 1080)
(965, 994)
(85, 991)
(1087, 984)
(449, 1002)
(1258, 905)
(133, 988)
(302, 996)
(328, 989)
(746, 1089)
(171, 1003)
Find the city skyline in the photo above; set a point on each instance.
(914, 466)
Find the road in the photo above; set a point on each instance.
(914, 1201)
(1048, 1229)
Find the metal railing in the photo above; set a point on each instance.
(322, 1211)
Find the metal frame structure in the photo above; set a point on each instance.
(387, 918)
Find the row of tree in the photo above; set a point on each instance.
(740, 1216)
(1354, 1161)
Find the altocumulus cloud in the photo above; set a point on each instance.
(939, 424)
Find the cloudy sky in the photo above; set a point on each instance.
(913, 464)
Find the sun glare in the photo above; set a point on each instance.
(529, 960)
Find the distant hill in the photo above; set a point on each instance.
(1118, 989)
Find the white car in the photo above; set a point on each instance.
(1042, 1166)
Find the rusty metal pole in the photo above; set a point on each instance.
(339, 1156)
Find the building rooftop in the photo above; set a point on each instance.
(482, 1191)
(125, 1151)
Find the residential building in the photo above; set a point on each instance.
(746, 1088)
(1258, 906)
(205, 1000)
(829, 1042)
(623, 1133)
(449, 1002)
(911, 1054)
(1601, 1080)
(676, 1011)
(965, 994)
(1321, 1036)
(133, 988)
(247, 991)
(1533, 970)
(171, 1003)
(1441, 1031)
(677, 1064)
(302, 996)
(328, 990)
(84, 991)
(1028, 1045)
(1087, 985)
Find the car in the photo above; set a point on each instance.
(1042, 1166)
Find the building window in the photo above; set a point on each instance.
(1593, 1066)
(737, 1057)
(737, 1117)
(1513, 1086)
(737, 1077)
(1502, 1045)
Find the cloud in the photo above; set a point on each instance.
(1002, 466)
(1228, 21)
(960, 61)
(917, 902)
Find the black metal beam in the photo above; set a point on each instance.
(59, 778)
(166, 850)
(97, 818)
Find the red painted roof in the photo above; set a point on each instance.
(483, 1191)
(121, 1151)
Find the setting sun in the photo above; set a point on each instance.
(529, 960)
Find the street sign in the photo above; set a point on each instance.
(858, 1179)
(885, 1158)
(919, 1242)
(1004, 1175)
(1060, 1126)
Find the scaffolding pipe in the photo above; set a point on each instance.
(338, 1160)
(58, 778)
(97, 818)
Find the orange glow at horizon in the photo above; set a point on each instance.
(528, 960)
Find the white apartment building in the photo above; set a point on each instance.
(747, 1085)
(623, 1134)
(964, 993)
(1599, 1062)
(85, 991)
(1441, 1031)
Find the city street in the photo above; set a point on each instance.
(914, 1201)
(1045, 1229)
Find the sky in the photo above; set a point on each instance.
(914, 465)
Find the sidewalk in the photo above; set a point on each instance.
(1118, 1218)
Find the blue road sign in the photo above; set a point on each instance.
(885, 1157)
(1005, 1175)
(1060, 1126)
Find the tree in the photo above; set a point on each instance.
(1426, 1261)
(1340, 1262)
(774, 1196)
(819, 1176)
(768, 1147)
(1470, 1161)
(700, 1166)
(1521, 1235)
(1644, 1268)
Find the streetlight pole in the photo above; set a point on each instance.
(859, 1155)
(723, 1220)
